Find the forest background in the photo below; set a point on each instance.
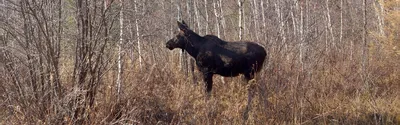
(105, 62)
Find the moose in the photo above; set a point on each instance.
(216, 56)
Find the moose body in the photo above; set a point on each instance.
(216, 56)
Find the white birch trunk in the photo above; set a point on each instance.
(264, 25)
(243, 20)
(196, 13)
(121, 32)
(222, 19)
(138, 34)
(130, 41)
(294, 20)
(216, 18)
(301, 31)
(206, 11)
(352, 16)
(329, 22)
(240, 2)
(379, 14)
(341, 22)
(281, 21)
(188, 12)
(255, 19)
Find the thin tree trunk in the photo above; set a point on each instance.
(138, 34)
(379, 14)
(301, 34)
(329, 25)
(189, 18)
(365, 47)
(222, 19)
(378, 4)
(216, 18)
(196, 13)
(264, 25)
(206, 13)
(121, 33)
(281, 21)
(341, 22)
(240, 2)
(131, 41)
(244, 20)
(255, 19)
(353, 23)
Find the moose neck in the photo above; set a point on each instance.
(193, 45)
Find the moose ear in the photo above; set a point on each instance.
(183, 22)
(182, 26)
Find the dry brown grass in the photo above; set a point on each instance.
(331, 95)
(162, 94)
(327, 92)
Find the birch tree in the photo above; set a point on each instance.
(206, 14)
(329, 23)
(138, 33)
(264, 25)
(364, 55)
(121, 33)
(255, 19)
(341, 22)
(240, 7)
(217, 20)
(196, 13)
(222, 19)
(379, 13)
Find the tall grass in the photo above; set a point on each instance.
(325, 93)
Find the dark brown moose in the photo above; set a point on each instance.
(216, 56)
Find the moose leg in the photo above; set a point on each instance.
(208, 81)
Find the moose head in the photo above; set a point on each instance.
(180, 39)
